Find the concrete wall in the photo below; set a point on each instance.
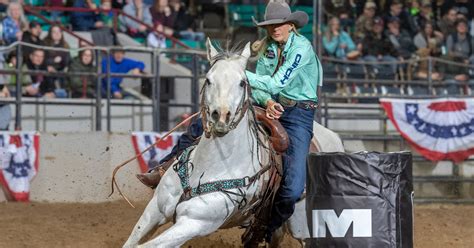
(77, 167)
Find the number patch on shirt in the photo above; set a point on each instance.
(290, 70)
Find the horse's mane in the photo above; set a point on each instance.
(230, 52)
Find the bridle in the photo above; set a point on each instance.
(240, 112)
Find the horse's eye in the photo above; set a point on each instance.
(208, 82)
(242, 83)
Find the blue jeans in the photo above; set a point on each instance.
(298, 123)
(194, 131)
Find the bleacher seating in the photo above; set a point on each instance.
(240, 15)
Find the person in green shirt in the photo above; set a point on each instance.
(286, 82)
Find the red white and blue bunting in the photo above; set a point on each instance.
(141, 140)
(19, 162)
(439, 129)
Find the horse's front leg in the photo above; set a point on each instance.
(196, 217)
(151, 217)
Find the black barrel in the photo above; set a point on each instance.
(362, 199)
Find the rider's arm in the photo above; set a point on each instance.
(294, 63)
(261, 97)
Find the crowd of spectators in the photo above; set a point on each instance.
(54, 56)
(395, 31)
(387, 31)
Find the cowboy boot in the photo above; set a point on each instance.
(152, 178)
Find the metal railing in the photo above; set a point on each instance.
(105, 98)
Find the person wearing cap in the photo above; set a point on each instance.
(365, 22)
(396, 10)
(400, 38)
(376, 47)
(31, 36)
(287, 76)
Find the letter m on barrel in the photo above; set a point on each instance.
(361, 220)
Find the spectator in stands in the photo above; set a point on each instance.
(83, 86)
(336, 42)
(162, 14)
(396, 10)
(119, 64)
(376, 47)
(31, 84)
(184, 24)
(455, 76)
(429, 39)
(3, 8)
(32, 36)
(10, 63)
(365, 22)
(428, 43)
(334, 8)
(85, 21)
(5, 110)
(107, 17)
(400, 39)
(157, 39)
(347, 22)
(118, 4)
(425, 15)
(447, 24)
(137, 9)
(55, 14)
(14, 24)
(460, 44)
(465, 7)
(56, 61)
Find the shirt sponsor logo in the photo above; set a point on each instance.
(270, 54)
(290, 70)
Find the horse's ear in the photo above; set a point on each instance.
(246, 52)
(211, 50)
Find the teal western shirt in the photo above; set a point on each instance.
(297, 78)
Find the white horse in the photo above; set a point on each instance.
(228, 153)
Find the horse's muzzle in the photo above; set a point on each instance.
(220, 129)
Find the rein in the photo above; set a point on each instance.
(241, 110)
(118, 167)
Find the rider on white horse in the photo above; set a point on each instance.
(286, 80)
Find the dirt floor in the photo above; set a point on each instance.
(109, 224)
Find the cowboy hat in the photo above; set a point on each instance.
(277, 13)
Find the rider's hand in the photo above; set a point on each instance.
(274, 110)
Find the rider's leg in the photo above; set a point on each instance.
(153, 177)
(298, 123)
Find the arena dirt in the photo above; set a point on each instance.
(109, 224)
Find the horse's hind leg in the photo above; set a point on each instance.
(183, 230)
(151, 217)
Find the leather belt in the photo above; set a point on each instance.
(287, 102)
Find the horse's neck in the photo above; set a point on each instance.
(234, 147)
